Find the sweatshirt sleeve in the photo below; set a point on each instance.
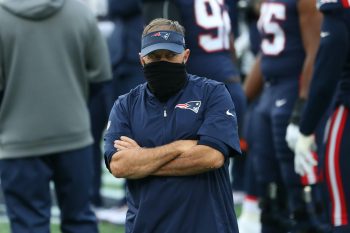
(219, 129)
(118, 125)
(97, 58)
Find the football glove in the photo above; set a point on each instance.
(292, 135)
(304, 160)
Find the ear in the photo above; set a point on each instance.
(141, 60)
(186, 55)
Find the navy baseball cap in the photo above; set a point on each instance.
(168, 40)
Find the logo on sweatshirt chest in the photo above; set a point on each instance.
(190, 105)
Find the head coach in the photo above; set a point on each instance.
(171, 138)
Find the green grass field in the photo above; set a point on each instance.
(104, 227)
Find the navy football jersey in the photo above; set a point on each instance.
(281, 43)
(208, 25)
(201, 203)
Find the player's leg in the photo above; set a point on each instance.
(337, 170)
(248, 134)
(266, 167)
(320, 195)
(25, 184)
(305, 205)
(285, 95)
(291, 180)
(73, 183)
(284, 99)
(249, 220)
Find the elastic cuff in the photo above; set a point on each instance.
(108, 157)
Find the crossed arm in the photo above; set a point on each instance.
(179, 158)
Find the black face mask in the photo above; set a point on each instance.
(164, 78)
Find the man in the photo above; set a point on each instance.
(211, 41)
(171, 138)
(50, 50)
(330, 80)
(290, 34)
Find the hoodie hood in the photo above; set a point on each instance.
(32, 9)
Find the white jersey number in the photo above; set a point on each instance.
(270, 14)
(209, 15)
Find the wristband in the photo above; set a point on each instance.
(297, 111)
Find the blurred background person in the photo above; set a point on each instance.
(50, 52)
(289, 40)
(329, 90)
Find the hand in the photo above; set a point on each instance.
(304, 160)
(125, 143)
(292, 135)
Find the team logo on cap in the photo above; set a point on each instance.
(191, 105)
(164, 35)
